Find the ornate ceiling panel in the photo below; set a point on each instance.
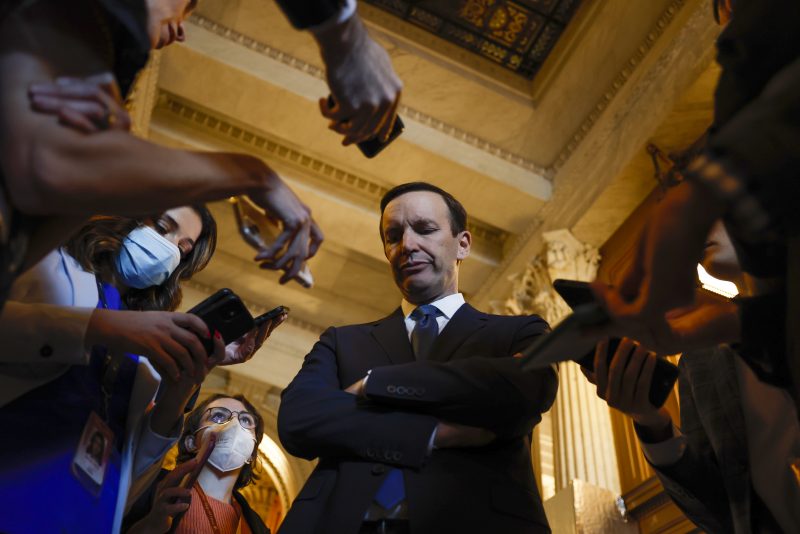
(518, 35)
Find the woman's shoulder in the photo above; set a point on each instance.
(57, 279)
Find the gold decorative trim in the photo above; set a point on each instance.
(268, 146)
(619, 81)
(406, 111)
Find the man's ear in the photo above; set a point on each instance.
(464, 245)
(190, 443)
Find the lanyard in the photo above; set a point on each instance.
(210, 513)
(111, 365)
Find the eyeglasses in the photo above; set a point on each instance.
(220, 415)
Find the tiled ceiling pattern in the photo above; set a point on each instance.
(518, 35)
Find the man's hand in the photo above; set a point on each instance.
(452, 435)
(169, 500)
(625, 385)
(301, 237)
(89, 105)
(357, 388)
(246, 346)
(365, 89)
(662, 275)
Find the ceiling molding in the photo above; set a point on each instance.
(532, 172)
(260, 143)
(620, 80)
(652, 95)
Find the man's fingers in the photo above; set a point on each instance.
(631, 375)
(362, 125)
(73, 119)
(386, 127)
(316, 237)
(642, 393)
(268, 255)
(617, 369)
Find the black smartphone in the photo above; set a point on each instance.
(665, 374)
(225, 312)
(373, 146)
(270, 315)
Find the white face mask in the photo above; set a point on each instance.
(234, 446)
(146, 258)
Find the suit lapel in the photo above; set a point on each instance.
(392, 336)
(464, 323)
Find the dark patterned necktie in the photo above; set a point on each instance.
(425, 331)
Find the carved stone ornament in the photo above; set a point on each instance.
(563, 256)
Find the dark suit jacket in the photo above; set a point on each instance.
(711, 482)
(307, 13)
(469, 379)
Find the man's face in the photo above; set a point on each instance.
(418, 242)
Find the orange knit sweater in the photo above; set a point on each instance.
(195, 521)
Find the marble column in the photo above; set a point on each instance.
(576, 433)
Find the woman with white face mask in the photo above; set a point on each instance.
(213, 505)
(72, 333)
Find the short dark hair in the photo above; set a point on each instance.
(458, 215)
(192, 424)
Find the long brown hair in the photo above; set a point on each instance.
(96, 245)
(192, 424)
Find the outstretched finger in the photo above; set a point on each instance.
(269, 254)
(175, 476)
(316, 237)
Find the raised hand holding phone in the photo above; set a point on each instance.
(263, 234)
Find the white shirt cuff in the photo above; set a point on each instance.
(347, 11)
(666, 452)
(431, 441)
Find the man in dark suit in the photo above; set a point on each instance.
(421, 420)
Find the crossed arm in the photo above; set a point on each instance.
(318, 419)
(491, 393)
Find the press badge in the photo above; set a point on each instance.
(91, 459)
